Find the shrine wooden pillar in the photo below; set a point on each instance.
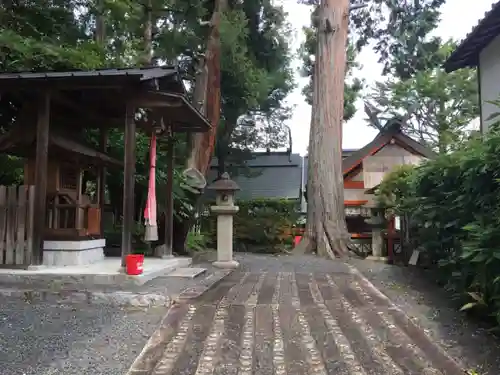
(101, 191)
(169, 204)
(80, 213)
(40, 196)
(128, 183)
(390, 239)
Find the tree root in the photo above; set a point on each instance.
(355, 253)
(337, 244)
(301, 248)
(306, 246)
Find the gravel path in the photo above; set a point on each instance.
(43, 336)
(44, 339)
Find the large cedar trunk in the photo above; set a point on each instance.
(207, 94)
(100, 24)
(206, 98)
(148, 34)
(326, 230)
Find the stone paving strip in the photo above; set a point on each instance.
(131, 298)
(293, 323)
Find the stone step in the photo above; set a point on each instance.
(187, 272)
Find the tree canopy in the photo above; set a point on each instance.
(88, 34)
(441, 105)
(397, 30)
(353, 85)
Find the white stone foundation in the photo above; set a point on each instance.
(73, 253)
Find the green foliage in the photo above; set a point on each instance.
(256, 77)
(353, 86)
(12, 170)
(196, 242)
(398, 31)
(264, 225)
(443, 104)
(39, 35)
(396, 183)
(255, 68)
(454, 212)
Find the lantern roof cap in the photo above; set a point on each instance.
(224, 183)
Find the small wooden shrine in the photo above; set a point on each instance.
(70, 212)
(52, 114)
(363, 171)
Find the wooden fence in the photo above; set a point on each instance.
(16, 225)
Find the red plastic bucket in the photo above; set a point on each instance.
(296, 240)
(134, 264)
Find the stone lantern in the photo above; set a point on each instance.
(377, 223)
(224, 208)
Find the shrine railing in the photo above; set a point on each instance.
(16, 225)
(72, 218)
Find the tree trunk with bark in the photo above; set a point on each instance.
(206, 98)
(100, 24)
(326, 229)
(148, 34)
(207, 94)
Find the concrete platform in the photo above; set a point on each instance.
(105, 272)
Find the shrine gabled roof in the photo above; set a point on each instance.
(467, 53)
(383, 138)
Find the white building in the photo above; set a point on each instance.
(481, 50)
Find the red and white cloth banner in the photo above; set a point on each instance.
(150, 210)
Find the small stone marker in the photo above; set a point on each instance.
(414, 258)
(188, 272)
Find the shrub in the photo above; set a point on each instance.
(454, 208)
(263, 225)
(196, 242)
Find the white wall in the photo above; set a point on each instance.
(489, 67)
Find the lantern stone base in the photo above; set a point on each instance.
(226, 264)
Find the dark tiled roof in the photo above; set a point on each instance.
(345, 153)
(467, 53)
(168, 78)
(271, 159)
(280, 176)
(141, 73)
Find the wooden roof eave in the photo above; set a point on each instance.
(467, 53)
(417, 147)
(356, 158)
(84, 79)
(81, 149)
(353, 161)
(167, 104)
(16, 141)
